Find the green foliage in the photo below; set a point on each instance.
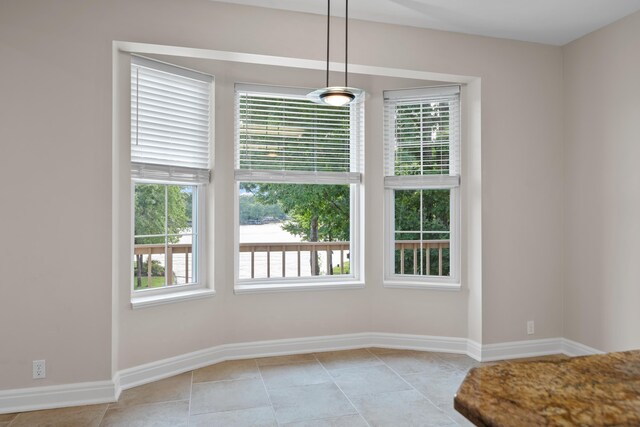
(157, 270)
(159, 209)
(281, 133)
(156, 282)
(347, 268)
(423, 149)
(429, 208)
(253, 211)
(306, 204)
(322, 212)
(150, 215)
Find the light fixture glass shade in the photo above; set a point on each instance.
(336, 96)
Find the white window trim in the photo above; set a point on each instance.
(355, 280)
(175, 175)
(393, 280)
(350, 281)
(178, 292)
(270, 288)
(423, 182)
(143, 301)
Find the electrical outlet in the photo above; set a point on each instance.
(39, 369)
(530, 327)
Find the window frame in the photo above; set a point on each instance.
(199, 247)
(150, 173)
(392, 183)
(355, 278)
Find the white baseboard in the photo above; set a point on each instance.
(474, 350)
(520, 349)
(160, 369)
(573, 348)
(418, 342)
(29, 399)
(529, 348)
(57, 396)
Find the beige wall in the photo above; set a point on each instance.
(55, 182)
(602, 148)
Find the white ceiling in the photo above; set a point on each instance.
(554, 22)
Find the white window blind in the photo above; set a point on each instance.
(170, 121)
(422, 137)
(281, 135)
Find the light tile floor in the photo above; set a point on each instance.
(352, 388)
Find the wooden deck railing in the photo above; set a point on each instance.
(157, 249)
(404, 246)
(413, 246)
(296, 247)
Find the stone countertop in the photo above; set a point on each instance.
(600, 390)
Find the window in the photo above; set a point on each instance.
(170, 139)
(422, 186)
(298, 173)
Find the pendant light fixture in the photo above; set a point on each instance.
(337, 96)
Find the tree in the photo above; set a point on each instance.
(294, 135)
(283, 133)
(316, 212)
(253, 211)
(422, 149)
(426, 210)
(160, 210)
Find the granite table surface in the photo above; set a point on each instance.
(599, 390)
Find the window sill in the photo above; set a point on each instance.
(423, 285)
(171, 297)
(265, 288)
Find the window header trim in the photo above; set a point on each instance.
(154, 64)
(422, 92)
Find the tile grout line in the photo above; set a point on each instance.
(418, 391)
(102, 417)
(299, 362)
(353, 367)
(266, 390)
(143, 404)
(342, 391)
(401, 377)
(457, 368)
(190, 397)
(227, 381)
(15, 418)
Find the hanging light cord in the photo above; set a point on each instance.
(328, 39)
(336, 96)
(346, 41)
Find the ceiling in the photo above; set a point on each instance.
(555, 22)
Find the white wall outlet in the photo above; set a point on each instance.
(39, 369)
(530, 327)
